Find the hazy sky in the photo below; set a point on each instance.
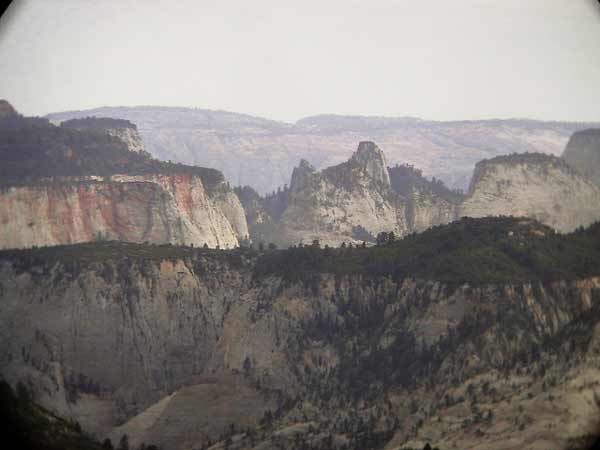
(282, 59)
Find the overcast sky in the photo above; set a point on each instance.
(436, 59)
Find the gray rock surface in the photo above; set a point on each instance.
(538, 186)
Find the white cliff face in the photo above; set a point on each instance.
(538, 186)
(160, 209)
(425, 209)
(351, 202)
(130, 137)
(370, 157)
(330, 205)
(229, 205)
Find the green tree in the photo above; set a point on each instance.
(124, 443)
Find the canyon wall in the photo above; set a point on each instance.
(174, 209)
(538, 186)
(174, 349)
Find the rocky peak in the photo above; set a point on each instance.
(372, 160)
(6, 109)
(302, 174)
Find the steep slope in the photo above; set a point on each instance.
(429, 203)
(263, 153)
(313, 347)
(539, 186)
(583, 153)
(91, 179)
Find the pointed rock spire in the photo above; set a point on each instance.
(301, 174)
(372, 160)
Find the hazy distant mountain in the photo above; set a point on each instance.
(262, 153)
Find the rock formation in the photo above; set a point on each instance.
(583, 153)
(174, 209)
(263, 153)
(91, 179)
(538, 186)
(352, 202)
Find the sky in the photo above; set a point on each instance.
(284, 60)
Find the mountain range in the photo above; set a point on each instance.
(262, 153)
(140, 302)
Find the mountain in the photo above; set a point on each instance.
(533, 185)
(583, 153)
(353, 202)
(262, 153)
(470, 335)
(356, 200)
(92, 179)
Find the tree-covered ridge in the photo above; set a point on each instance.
(98, 123)
(476, 251)
(32, 149)
(514, 159)
(491, 250)
(98, 252)
(405, 177)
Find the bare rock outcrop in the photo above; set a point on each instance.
(160, 209)
(538, 186)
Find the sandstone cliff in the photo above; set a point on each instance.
(91, 179)
(329, 205)
(174, 209)
(583, 153)
(533, 185)
(352, 202)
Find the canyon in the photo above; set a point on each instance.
(187, 347)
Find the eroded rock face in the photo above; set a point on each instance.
(159, 209)
(90, 179)
(173, 350)
(130, 136)
(583, 153)
(350, 202)
(538, 186)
